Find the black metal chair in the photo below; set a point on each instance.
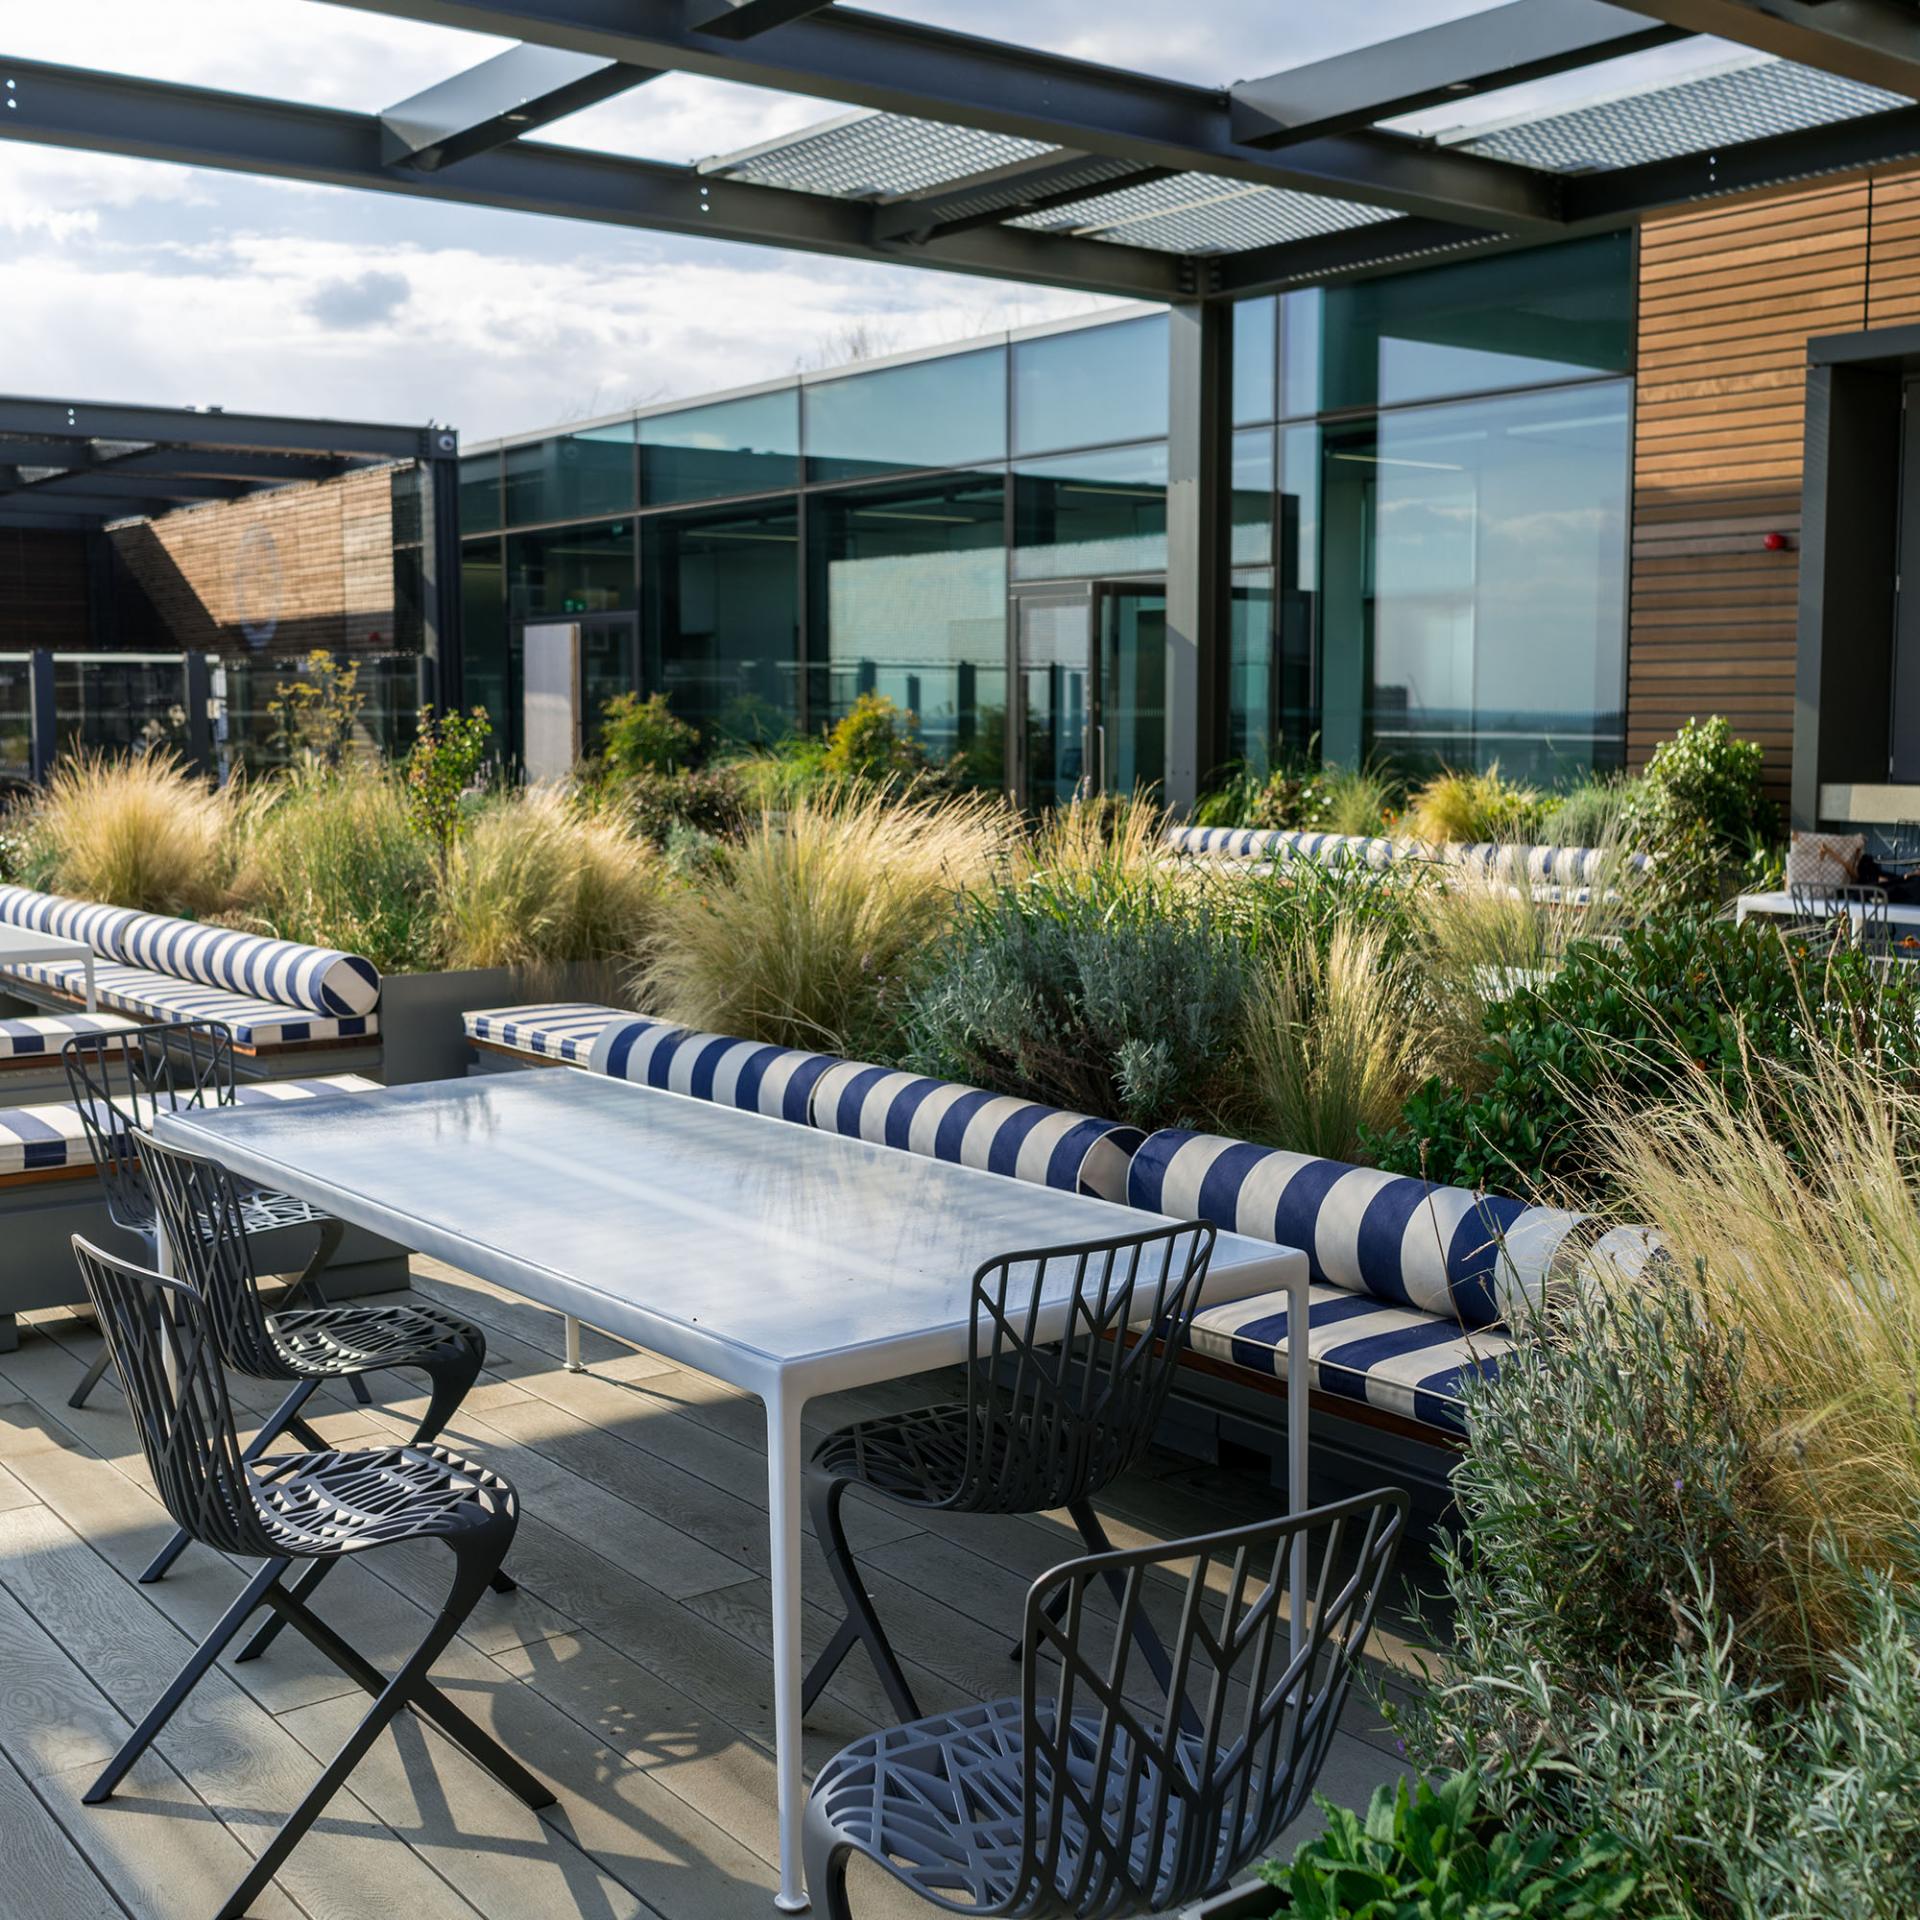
(119, 1082)
(202, 1212)
(316, 1508)
(1095, 1793)
(1854, 914)
(1047, 1422)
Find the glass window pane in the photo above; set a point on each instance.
(751, 445)
(910, 585)
(1474, 569)
(119, 703)
(721, 631)
(1090, 386)
(1078, 515)
(1518, 319)
(949, 412)
(570, 570)
(483, 639)
(588, 472)
(1253, 497)
(1254, 325)
(480, 493)
(407, 494)
(1253, 727)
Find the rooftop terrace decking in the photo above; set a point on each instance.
(630, 1670)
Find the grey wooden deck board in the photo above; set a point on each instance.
(630, 1670)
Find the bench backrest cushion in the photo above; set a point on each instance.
(778, 1081)
(1474, 1258)
(318, 979)
(995, 1132)
(1519, 863)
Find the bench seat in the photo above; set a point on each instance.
(565, 1032)
(37, 1038)
(158, 996)
(43, 1140)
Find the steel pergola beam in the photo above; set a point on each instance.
(34, 508)
(1876, 42)
(220, 463)
(1003, 193)
(1524, 40)
(104, 483)
(82, 420)
(742, 19)
(195, 126)
(898, 66)
(498, 101)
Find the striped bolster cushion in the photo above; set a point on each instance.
(777, 1081)
(159, 997)
(283, 971)
(1542, 865)
(946, 1121)
(1473, 1258)
(564, 1032)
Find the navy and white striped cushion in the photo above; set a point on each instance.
(42, 1035)
(283, 971)
(1473, 1259)
(1391, 1358)
(1540, 865)
(946, 1121)
(43, 1139)
(562, 1032)
(777, 1081)
(157, 996)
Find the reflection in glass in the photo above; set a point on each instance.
(1255, 726)
(483, 649)
(751, 445)
(1131, 735)
(1055, 693)
(1083, 514)
(1091, 385)
(1474, 568)
(569, 474)
(1255, 323)
(480, 493)
(1253, 497)
(910, 585)
(1516, 319)
(949, 412)
(570, 570)
(720, 634)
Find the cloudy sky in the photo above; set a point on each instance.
(132, 281)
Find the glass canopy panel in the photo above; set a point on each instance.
(721, 625)
(1517, 319)
(1091, 385)
(944, 412)
(1079, 516)
(910, 586)
(749, 445)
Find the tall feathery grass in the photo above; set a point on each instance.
(332, 858)
(1474, 806)
(805, 935)
(536, 883)
(133, 832)
(1333, 1040)
(1102, 833)
(1801, 1234)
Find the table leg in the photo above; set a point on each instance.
(784, 1462)
(574, 1363)
(93, 992)
(1299, 1373)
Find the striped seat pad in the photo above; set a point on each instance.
(1475, 1259)
(565, 1031)
(42, 1139)
(946, 1121)
(777, 1081)
(43, 1035)
(316, 979)
(1391, 1358)
(158, 996)
(1539, 865)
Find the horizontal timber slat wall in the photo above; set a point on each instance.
(1729, 295)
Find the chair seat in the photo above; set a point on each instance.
(918, 1459)
(937, 1802)
(334, 1342)
(160, 997)
(321, 1505)
(40, 1036)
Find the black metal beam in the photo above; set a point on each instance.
(1352, 250)
(1873, 41)
(196, 126)
(224, 463)
(37, 507)
(105, 483)
(44, 453)
(48, 522)
(1005, 193)
(742, 19)
(1524, 40)
(897, 66)
(109, 420)
(498, 101)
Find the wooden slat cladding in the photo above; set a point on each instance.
(1728, 297)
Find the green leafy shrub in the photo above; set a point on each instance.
(1474, 807)
(876, 740)
(644, 737)
(446, 755)
(1674, 997)
(1427, 1852)
(777, 776)
(1701, 810)
(712, 801)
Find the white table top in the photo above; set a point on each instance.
(766, 1253)
(28, 943)
(1900, 913)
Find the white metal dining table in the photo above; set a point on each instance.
(27, 946)
(785, 1261)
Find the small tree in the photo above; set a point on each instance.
(876, 741)
(645, 736)
(446, 754)
(314, 717)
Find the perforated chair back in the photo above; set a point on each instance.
(121, 1081)
(1052, 1420)
(1139, 1795)
(1856, 914)
(162, 1339)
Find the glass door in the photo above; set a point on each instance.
(1053, 694)
(1130, 686)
